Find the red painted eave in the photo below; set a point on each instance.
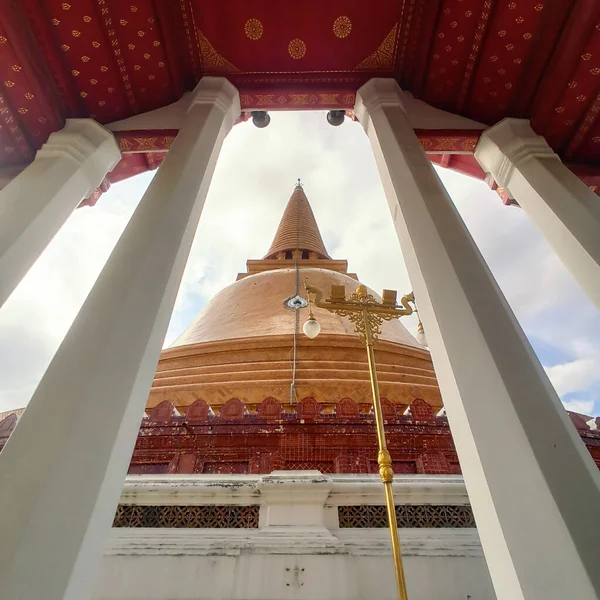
(483, 59)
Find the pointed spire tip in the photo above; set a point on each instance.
(298, 229)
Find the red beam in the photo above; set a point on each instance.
(449, 148)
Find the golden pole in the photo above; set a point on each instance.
(367, 314)
(384, 460)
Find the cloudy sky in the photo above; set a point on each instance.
(254, 178)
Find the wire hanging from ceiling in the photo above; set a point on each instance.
(293, 394)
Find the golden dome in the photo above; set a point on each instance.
(254, 306)
(241, 345)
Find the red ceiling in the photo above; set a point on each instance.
(485, 59)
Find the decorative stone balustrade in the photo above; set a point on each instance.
(299, 436)
(289, 534)
(308, 409)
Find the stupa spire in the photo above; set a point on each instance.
(298, 229)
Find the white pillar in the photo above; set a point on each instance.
(534, 489)
(36, 203)
(559, 204)
(62, 470)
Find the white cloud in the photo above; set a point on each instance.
(584, 407)
(37, 316)
(574, 376)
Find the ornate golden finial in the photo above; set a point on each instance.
(362, 309)
(361, 291)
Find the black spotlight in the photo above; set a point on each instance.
(336, 117)
(260, 118)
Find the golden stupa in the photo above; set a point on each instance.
(243, 343)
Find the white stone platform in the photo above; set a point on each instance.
(298, 550)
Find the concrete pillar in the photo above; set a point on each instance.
(62, 471)
(36, 203)
(534, 489)
(559, 204)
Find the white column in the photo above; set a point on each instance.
(36, 203)
(559, 204)
(62, 470)
(534, 489)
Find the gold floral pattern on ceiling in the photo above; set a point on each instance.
(129, 94)
(211, 59)
(253, 29)
(342, 26)
(383, 57)
(297, 49)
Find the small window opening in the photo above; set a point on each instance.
(305, 254)
(288, 255)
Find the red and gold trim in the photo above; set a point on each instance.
(442, 141)
(133, 142)
(587, 123)
(298, 100)
(474, 55)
